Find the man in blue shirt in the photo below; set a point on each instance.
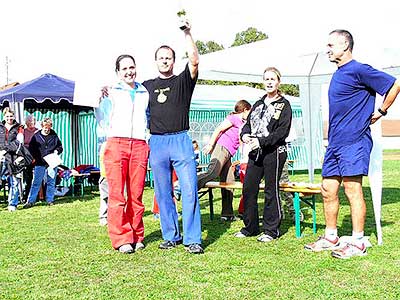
(352, 94)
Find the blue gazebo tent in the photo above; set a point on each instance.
(49, 96)
(45, 87)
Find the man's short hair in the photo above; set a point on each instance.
(347, 35)
(165, 47)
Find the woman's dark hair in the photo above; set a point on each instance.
(165, 47)
(121, 57)
(241, 106)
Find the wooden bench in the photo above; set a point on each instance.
(302, 192)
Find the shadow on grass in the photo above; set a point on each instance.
(389, 196)
(154, 237)
(370, 227)
(87, 195)
(215, 228)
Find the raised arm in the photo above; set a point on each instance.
(192, 51)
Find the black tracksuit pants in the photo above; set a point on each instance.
(270, 166)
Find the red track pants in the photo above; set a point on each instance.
(125, 161)
(242, 173)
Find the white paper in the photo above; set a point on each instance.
(53, 160)
(87, 94)
(88, 84)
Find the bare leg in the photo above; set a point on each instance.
(330, 190)
(353, 190)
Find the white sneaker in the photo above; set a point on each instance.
(139, 246)
(349, 251)
(265, 238)
(322, 244)
(126, 249)
(228, 219)
(240, 235)
(12, 208)
(103, 222)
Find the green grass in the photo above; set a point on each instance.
(61, 252)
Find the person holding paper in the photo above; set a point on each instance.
(45, 147)
(352, 93)
(125, 155)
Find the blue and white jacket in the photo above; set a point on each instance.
(124, 113)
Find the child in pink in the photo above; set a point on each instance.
(223, 144)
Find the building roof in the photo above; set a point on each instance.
(9, 85)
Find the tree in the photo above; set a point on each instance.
(290, 89)
(248, 36)
(208, 47)
(201, 47)
(245, 37)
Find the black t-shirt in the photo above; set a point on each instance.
(170, 102)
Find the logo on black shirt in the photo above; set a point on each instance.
(161, 96)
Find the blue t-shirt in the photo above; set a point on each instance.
(352, 93)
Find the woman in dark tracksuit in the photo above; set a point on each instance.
(265, 131)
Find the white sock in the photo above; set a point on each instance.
(331, 233)
(358, 237)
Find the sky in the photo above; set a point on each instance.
(79, 39)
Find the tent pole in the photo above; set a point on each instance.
(310, 123)
(75, 139)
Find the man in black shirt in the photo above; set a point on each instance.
(171, 147)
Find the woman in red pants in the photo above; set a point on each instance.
(125, 157)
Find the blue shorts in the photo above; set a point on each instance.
(348, 160)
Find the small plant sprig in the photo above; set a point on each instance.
(181, 13)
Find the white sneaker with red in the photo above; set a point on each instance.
(350, 250)
(323, 244)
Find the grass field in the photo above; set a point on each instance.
(61, 252)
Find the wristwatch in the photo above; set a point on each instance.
(382, 112)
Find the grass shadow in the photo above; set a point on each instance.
(369, 228)
(389, 196)
(215, 228)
